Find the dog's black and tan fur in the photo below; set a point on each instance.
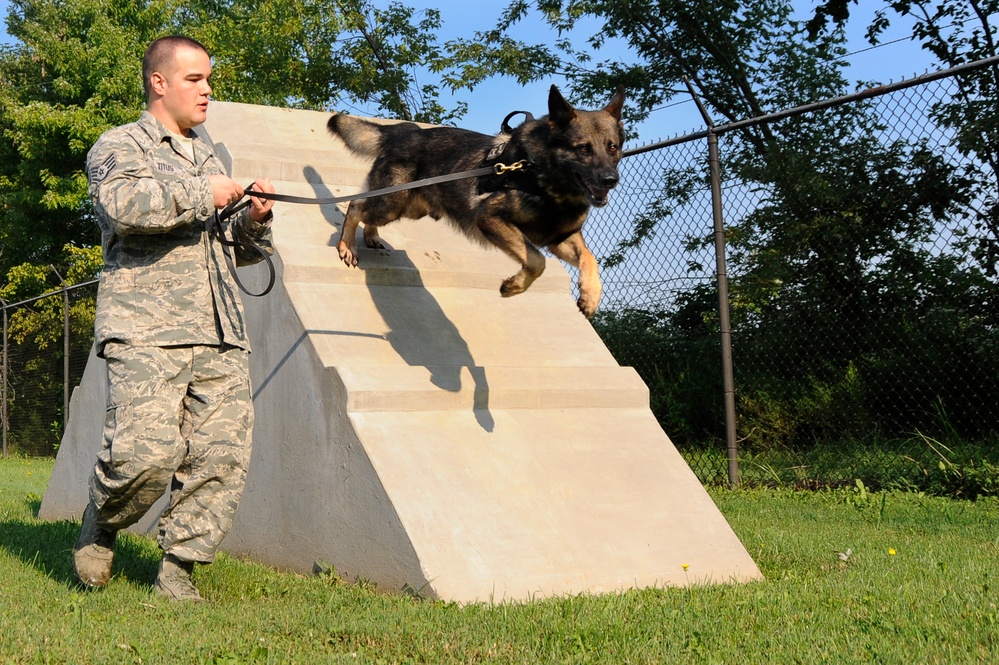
(572, 158)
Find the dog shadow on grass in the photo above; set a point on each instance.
(418, 328)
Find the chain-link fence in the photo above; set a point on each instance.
(863, 304)
(861, 236)
(46, 343)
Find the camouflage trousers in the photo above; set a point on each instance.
(178, 418)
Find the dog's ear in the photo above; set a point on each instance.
(559, 110)
(617, 101)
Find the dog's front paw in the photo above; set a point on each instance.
(590, 291)
(347, 254)
(587, 305)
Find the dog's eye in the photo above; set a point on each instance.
(586, 149)
(613, 148)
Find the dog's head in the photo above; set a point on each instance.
(588, 143)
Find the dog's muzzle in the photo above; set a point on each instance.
(597, 193)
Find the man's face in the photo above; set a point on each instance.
(185, 89)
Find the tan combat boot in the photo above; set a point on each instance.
(174, 579)
(94, 551)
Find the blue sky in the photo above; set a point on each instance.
(491, 101)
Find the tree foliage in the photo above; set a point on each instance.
(323, 54)
(956, 32)
(41, 322)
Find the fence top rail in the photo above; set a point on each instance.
(59, 291)
(876, 91)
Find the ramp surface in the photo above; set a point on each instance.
(415, 429)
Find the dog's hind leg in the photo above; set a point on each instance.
(532, 265)
(573, 250)
(371, 238)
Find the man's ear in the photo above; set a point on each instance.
(157, 83)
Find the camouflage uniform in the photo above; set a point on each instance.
(170, 324)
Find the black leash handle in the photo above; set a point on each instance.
(218, 230)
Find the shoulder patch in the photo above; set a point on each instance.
(99, 173)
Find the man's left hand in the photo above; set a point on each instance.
(260, 208)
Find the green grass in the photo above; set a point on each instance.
(932, 601)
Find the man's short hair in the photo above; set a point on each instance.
(159, 53)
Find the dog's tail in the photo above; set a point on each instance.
(362, 137)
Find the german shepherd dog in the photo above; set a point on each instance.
(570, 160)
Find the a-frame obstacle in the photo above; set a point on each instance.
(415, 429)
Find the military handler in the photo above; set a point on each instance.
(170, 325)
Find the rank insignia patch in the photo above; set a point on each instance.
(99, 173)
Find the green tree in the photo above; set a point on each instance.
(73, 73)
(41, 323)
(956, 32)
(323, 55)
(744, 59)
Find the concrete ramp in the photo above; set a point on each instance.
(417, 430)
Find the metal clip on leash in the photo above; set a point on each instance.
(500, 169)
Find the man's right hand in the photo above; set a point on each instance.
(225, 189)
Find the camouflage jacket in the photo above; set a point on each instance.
(165, 280)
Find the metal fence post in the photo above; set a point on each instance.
(724, 320)
(65, 349)
(3, 381)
